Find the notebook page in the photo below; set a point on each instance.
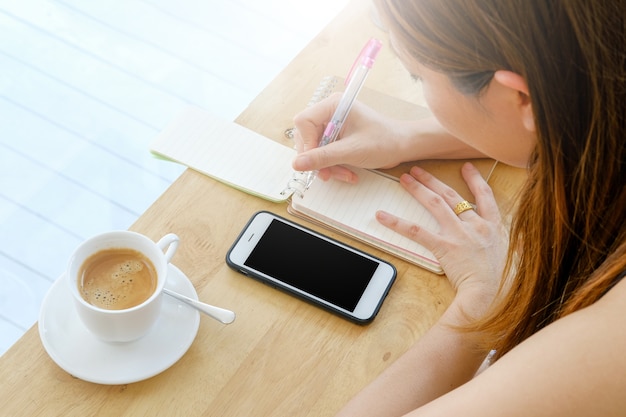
(227, 152)
(351, 208)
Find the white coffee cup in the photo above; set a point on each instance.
(123, 325)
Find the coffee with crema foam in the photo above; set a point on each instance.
(117, 279)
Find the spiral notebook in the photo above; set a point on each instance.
(255, 164)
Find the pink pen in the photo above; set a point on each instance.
(354, 83)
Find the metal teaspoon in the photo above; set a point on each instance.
(220, 314)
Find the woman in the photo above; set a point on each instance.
(532, 83)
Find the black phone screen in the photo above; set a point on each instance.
(313, 265)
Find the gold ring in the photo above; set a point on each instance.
(463, 206)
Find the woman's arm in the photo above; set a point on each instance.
(370, 140)
(443, 359)
(574, 367)
(472, 249)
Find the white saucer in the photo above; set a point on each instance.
(78, 352)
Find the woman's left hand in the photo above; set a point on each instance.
(471, 246)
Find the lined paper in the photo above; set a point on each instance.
(351, 208)
(228, 152)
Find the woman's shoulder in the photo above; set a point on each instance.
(616, 292)
(573, 367)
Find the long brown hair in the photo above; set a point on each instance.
(568, 238)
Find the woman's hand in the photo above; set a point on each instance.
(471, 246)
(367, 139)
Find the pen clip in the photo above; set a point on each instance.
(366, 57)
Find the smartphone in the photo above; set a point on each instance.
(311, 266)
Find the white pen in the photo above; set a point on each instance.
(354, 82)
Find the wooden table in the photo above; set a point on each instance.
(281, 357)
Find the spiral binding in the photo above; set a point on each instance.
(296, 185)
(324, 89)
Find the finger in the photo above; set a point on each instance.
(339, 173)
(407, 229)
(482, 192)
(311, 122)
(339, 152)
(342, 173)
(441, 200)
(306, 134)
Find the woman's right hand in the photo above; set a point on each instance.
(367, 140)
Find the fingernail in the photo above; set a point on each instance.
(416, 170)
(324, 175)
(349, 177)
(407, 179)
(382, 216)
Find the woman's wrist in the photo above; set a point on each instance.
(427, 139)
(467, 306)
